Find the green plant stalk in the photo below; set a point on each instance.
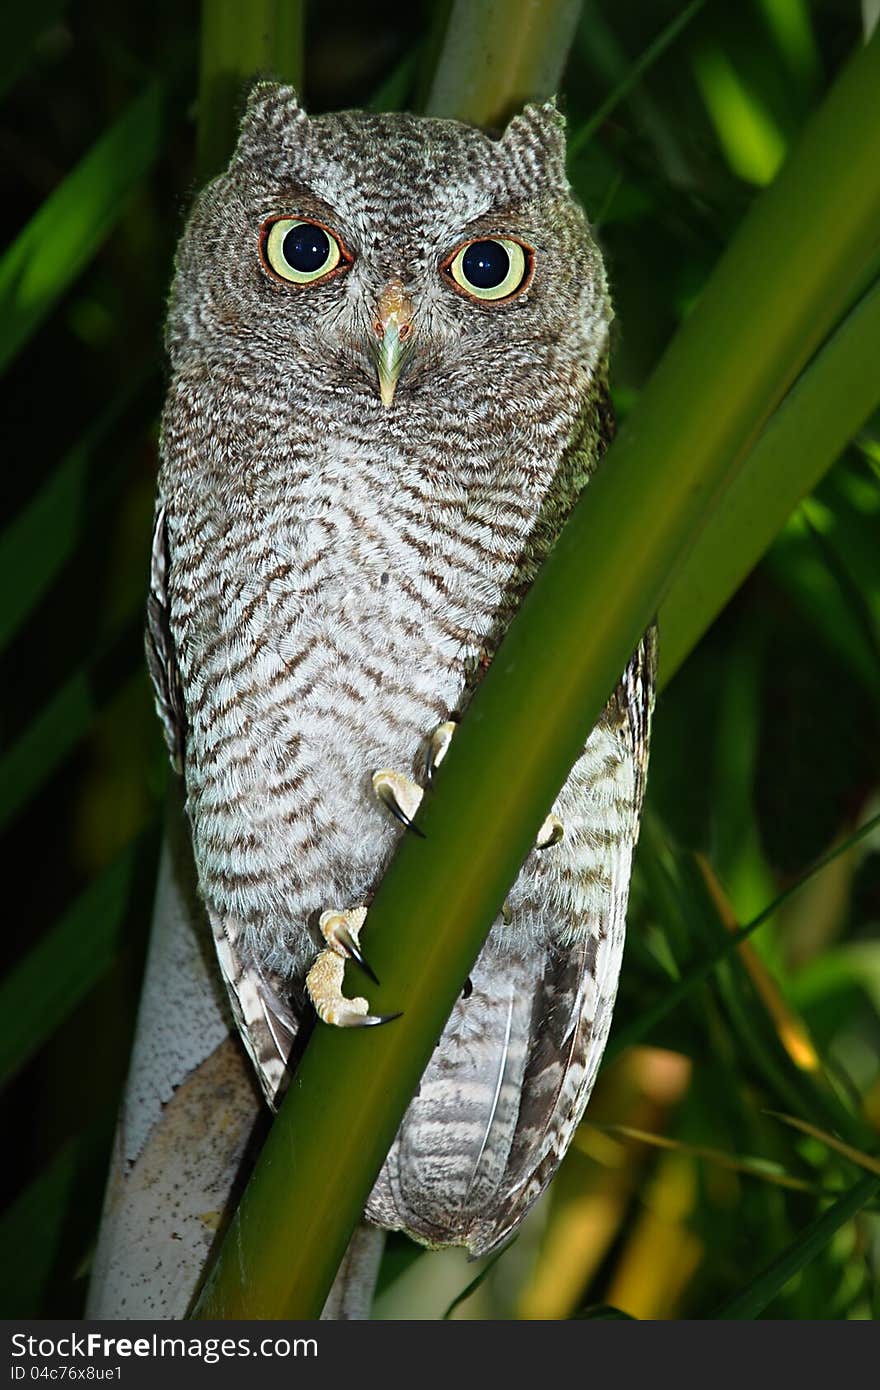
(263, 38)
(827, 405)
(499, 54)
(752, 1300)
(777, 292)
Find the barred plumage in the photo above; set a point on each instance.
(332, 572)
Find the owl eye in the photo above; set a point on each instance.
(492, 269)
(302, 252)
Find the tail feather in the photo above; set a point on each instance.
(453, 1147)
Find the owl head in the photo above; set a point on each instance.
(391, 259)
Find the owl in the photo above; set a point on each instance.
(388, 340)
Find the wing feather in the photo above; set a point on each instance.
(266, 1013)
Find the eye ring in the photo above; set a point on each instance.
(273, 235)
(521, 267)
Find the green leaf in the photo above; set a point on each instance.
(73, 222)
(697, 974)
(824, 409)
(473, 1285)
(751, 1301)
(630, 77)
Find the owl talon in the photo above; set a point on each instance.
(345, 938)
(341, 931)
(401, 795)
(551, 832)
(439, 746)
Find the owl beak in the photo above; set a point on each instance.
(392, 327)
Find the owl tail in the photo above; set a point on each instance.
(499, 1100)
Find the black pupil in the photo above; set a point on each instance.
(485, 264)
(306, 248)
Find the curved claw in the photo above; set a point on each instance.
(439, 746)
(345, 938)
(400, 795)
(373, 1020)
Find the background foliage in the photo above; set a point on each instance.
(682, 1184)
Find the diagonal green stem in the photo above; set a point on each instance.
(779, 290)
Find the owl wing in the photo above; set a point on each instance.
(513, 1072)
(573, 1002)
(267, 1017)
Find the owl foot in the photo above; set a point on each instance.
(341, 931)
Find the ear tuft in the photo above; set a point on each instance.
(535, 140)
(272, 117)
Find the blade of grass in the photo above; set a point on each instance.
(633, 76)
(770, 303)
(473, 1285)
(862, 1160)
(755, 1014)
(64, 234)
(753, 1299)
(602, 51)
(791, 1030)
(761, 1168)
(803, 566)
